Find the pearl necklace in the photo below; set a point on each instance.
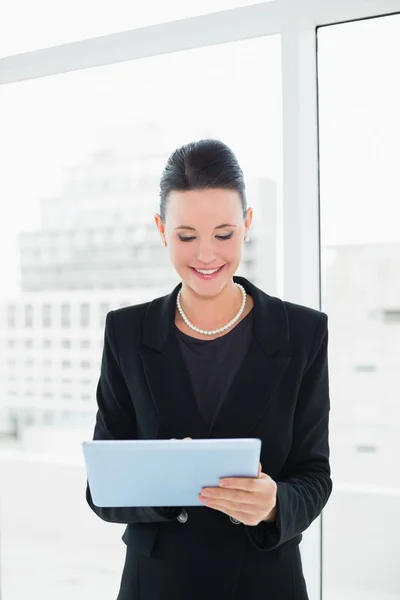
(220, 329)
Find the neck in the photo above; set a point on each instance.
(211, 312)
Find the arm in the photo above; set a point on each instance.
(304, 485)
(116, 420)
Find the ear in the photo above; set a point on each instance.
(160, 225)
(247, 221)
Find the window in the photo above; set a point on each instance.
(359, 111)
(47, 363)
(47, 343)
(47, 417)
(28, 315)
(28, 343)
(391, 315)
(84, 315)
(65, 343)
(365, 368)
(104, 309)
(65, 315)
(46, 315)
(237, 99)
(11, 315)
(85, 343)
(11, 343)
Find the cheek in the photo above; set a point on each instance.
(180, 252)
(233, 250)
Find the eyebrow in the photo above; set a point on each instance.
(223, 226)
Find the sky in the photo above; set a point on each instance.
(232, 92)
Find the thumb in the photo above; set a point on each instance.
(259, 469)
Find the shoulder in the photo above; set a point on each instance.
(304, 318)
(308, 330)
(298, 327)
(130, 318)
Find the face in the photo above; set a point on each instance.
(204, 231)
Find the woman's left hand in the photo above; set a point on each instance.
(249, 500)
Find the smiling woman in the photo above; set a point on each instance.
(218, 357)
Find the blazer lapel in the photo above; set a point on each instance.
(166, 373)
(253, 387)
(261, 371)
(250, 394)
(172, 391)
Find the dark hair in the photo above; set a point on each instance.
(202, 165)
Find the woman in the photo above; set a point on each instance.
(218, 358)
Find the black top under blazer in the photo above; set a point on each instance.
(280, 395)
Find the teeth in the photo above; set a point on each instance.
(204, 272)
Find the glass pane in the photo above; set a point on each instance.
(360, 189)
(82, 154)
(26, 29)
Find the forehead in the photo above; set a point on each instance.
(211, 204)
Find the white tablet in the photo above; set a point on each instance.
(164, 472)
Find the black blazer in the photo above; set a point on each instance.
(280, 395)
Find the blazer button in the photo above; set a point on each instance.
(183, 516)
(235, 521)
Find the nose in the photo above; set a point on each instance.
(205, 253)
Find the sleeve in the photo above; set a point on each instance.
(116, 420)
(304, 484)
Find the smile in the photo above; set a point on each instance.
(207, 273)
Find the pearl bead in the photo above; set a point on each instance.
(220, 329)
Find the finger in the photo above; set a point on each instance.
(187, 438)
(240, 515)
(259, 469)
(231, 497)
(247, 484)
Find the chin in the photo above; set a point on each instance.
(207, 289)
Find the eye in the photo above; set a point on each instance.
(225, 237)
(186, 239)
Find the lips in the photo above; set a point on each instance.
(207, 273)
